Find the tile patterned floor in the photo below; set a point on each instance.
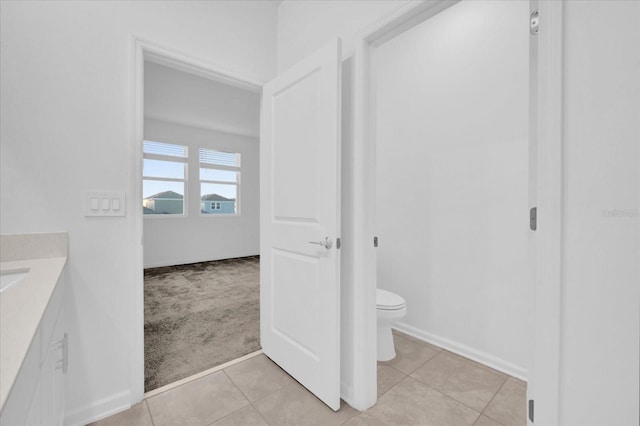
(423, 385)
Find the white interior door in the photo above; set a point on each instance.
(300, 222)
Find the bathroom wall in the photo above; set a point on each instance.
(186, 109)
(67, 125)
(452, 180)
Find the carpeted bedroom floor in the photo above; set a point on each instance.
(199, 316)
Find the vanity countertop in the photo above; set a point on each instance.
(23, 304)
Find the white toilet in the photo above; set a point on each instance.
(390, 308)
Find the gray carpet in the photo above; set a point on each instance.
(198, 316)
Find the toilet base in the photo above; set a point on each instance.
(386, 348)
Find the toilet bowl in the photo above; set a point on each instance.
(389, 308)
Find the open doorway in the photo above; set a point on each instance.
(433, 174)
(200, 196)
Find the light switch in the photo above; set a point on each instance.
(104, 203)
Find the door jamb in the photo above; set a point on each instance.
(545, 374)
(144, 50)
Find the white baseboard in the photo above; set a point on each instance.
(174, 262)
(465, 351)
(99, 410)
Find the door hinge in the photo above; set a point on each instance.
(375, 241)
(338, 243)
(533, 218)
(534, 22)
(531, 410)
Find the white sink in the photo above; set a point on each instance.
(11, 277)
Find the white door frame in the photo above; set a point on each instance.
(144, 50)
(545, 375)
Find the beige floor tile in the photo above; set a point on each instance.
(509, 405)
(197, 403)
(486, 421)
(410, 354)
(138, 415)
(518, 381)
(258, 377)
(246, 416)
(413, 403)
(415, 339)
(464, 380)
(294, 405)
(388, 377)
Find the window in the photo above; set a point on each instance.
(164, 178)
(219, 182)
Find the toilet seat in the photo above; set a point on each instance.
(387, 301)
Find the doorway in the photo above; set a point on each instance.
(452, 148)
(199, 152)
(544, 172)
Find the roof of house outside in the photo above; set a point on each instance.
(215, 197)
(166, 195)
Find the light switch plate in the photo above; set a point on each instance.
(104, 203)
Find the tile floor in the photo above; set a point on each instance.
(423, 385)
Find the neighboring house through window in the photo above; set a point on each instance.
(219, 182)
(164, 178)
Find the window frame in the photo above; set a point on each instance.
(185, 181)
(237, 169)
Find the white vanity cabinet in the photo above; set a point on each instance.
(37, 395)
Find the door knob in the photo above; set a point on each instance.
(327, 243)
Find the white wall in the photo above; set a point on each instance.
(601, 291)
(190, 110)
(452, 180)
(180, 97)
(306, 26)
(195, 237)
(65, 76)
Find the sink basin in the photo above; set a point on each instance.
(12, 277)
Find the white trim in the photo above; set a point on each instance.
(174, 59)
(190, 260)
(197, 376)
(546, 360)
(364, 392)
(99, 410)
(466, 351)
(144, 50)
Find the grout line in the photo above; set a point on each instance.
(448, 396)
(452, 398)
(355, 414)
(392, 387)
(149, 411)
(197, 376)
(246, 397)
(491, 400)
